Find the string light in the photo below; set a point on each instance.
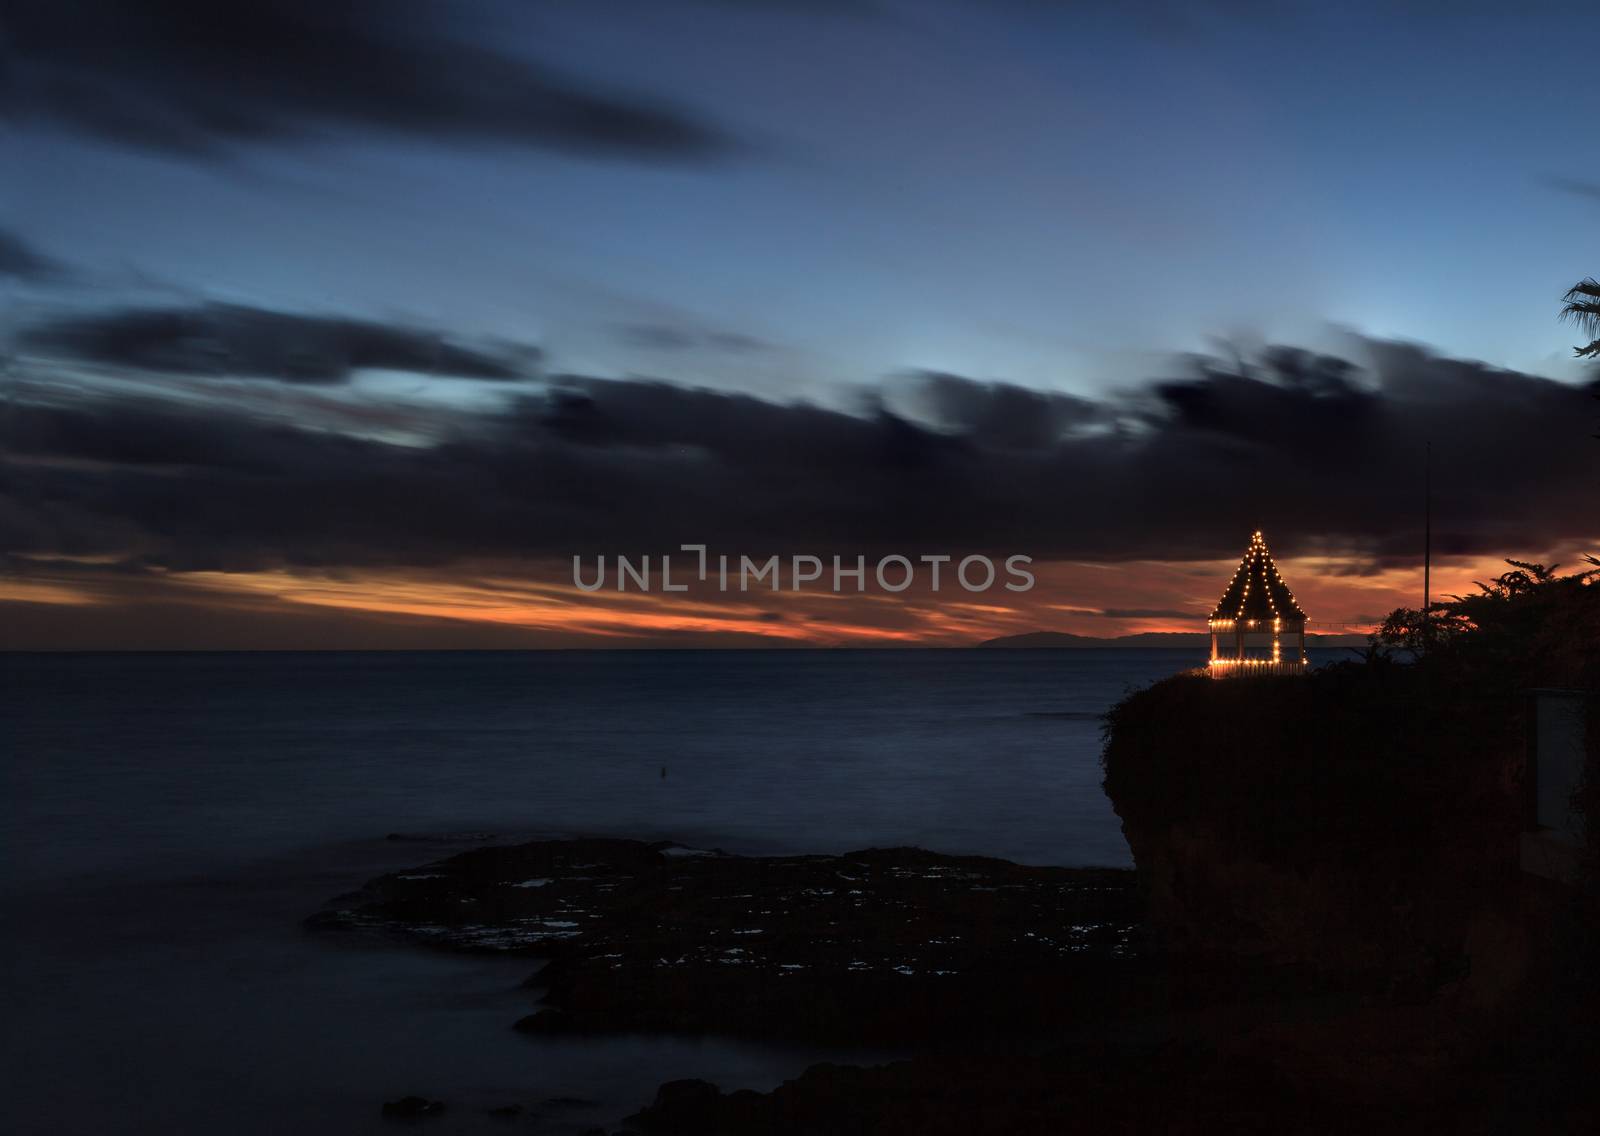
(1255, 590)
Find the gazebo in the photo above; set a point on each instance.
(1254, 618)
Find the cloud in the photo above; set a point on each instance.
(195, 78)
(1146, 613)
(20, 261)
(1002, 414)
(670, 337)
(231, 340)
(1589, 189)
(1322, 453)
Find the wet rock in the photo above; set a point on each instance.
(412, 1108)
(876, 946)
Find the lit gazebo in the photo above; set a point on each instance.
(1253, 620)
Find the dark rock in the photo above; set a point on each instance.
(1100, 1090)
(880, 946)
(505, 1111)
(410, 1108)
(681, 1106)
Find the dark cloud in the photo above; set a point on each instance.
(198, 78)
(21, 261)
(1002, 414)
(670, 337)
(1145, 613)
(1252, 400)
(733, 341)
(1589, 189)
(231, 340)
(1326, 456)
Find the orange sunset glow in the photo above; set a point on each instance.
(537, 607)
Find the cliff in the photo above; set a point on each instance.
(1352, 824)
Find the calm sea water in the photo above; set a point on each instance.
(170, 818)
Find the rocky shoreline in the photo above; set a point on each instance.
(881, 946)
(1030, 999)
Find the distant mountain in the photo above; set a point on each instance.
(1189, 640)
(1065, 639)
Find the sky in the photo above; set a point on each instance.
(351, 324)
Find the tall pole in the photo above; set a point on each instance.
(1427, 535)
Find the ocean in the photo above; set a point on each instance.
(171, 818)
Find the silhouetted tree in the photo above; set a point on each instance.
(1529, 624)
(1583, 309)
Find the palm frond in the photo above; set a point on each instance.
(1583, 308)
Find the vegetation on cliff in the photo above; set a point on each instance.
(1528, 628)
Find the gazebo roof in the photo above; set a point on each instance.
(1257, 591)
